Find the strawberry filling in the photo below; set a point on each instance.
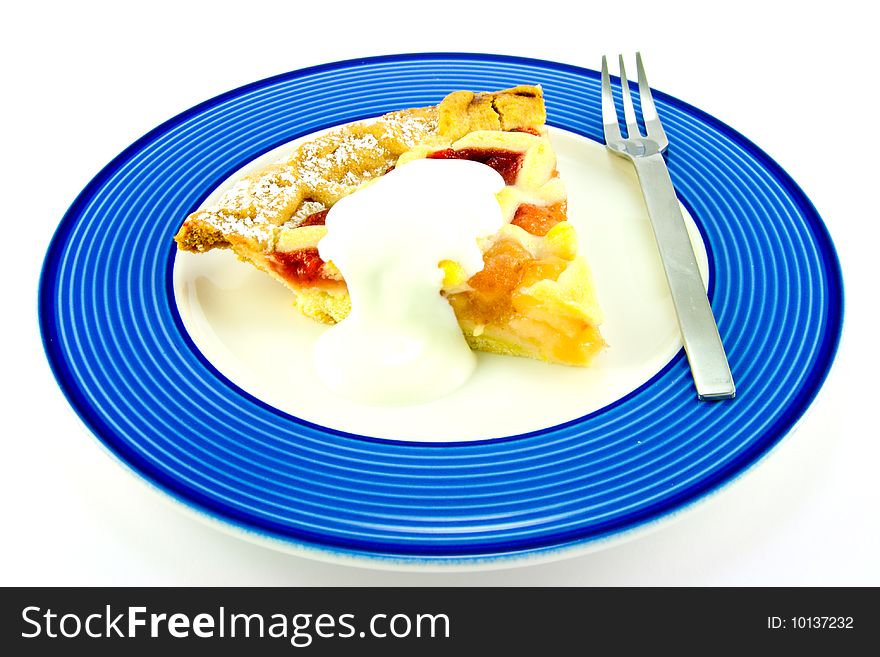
(315, 219)
(301, 266)
(507, 163)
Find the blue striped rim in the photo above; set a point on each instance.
(116, 343)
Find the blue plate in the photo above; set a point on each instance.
(118, 348)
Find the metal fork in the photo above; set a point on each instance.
(699, 332)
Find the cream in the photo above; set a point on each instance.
(401, 343)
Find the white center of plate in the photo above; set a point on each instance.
(244, 323)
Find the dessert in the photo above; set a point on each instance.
(533, 297)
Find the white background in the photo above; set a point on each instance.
(83, 80)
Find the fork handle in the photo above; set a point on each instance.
(699, 332)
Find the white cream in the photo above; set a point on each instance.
(401, 343)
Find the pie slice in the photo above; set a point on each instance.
(534, 296)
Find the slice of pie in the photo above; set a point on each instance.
(534, 296)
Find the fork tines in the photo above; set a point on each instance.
(653, 128)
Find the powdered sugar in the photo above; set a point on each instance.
(314, 176)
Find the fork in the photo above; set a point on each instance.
(699, 332)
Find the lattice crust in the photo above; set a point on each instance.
(325, 169)
(534, 297)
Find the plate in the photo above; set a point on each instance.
(131, 367)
